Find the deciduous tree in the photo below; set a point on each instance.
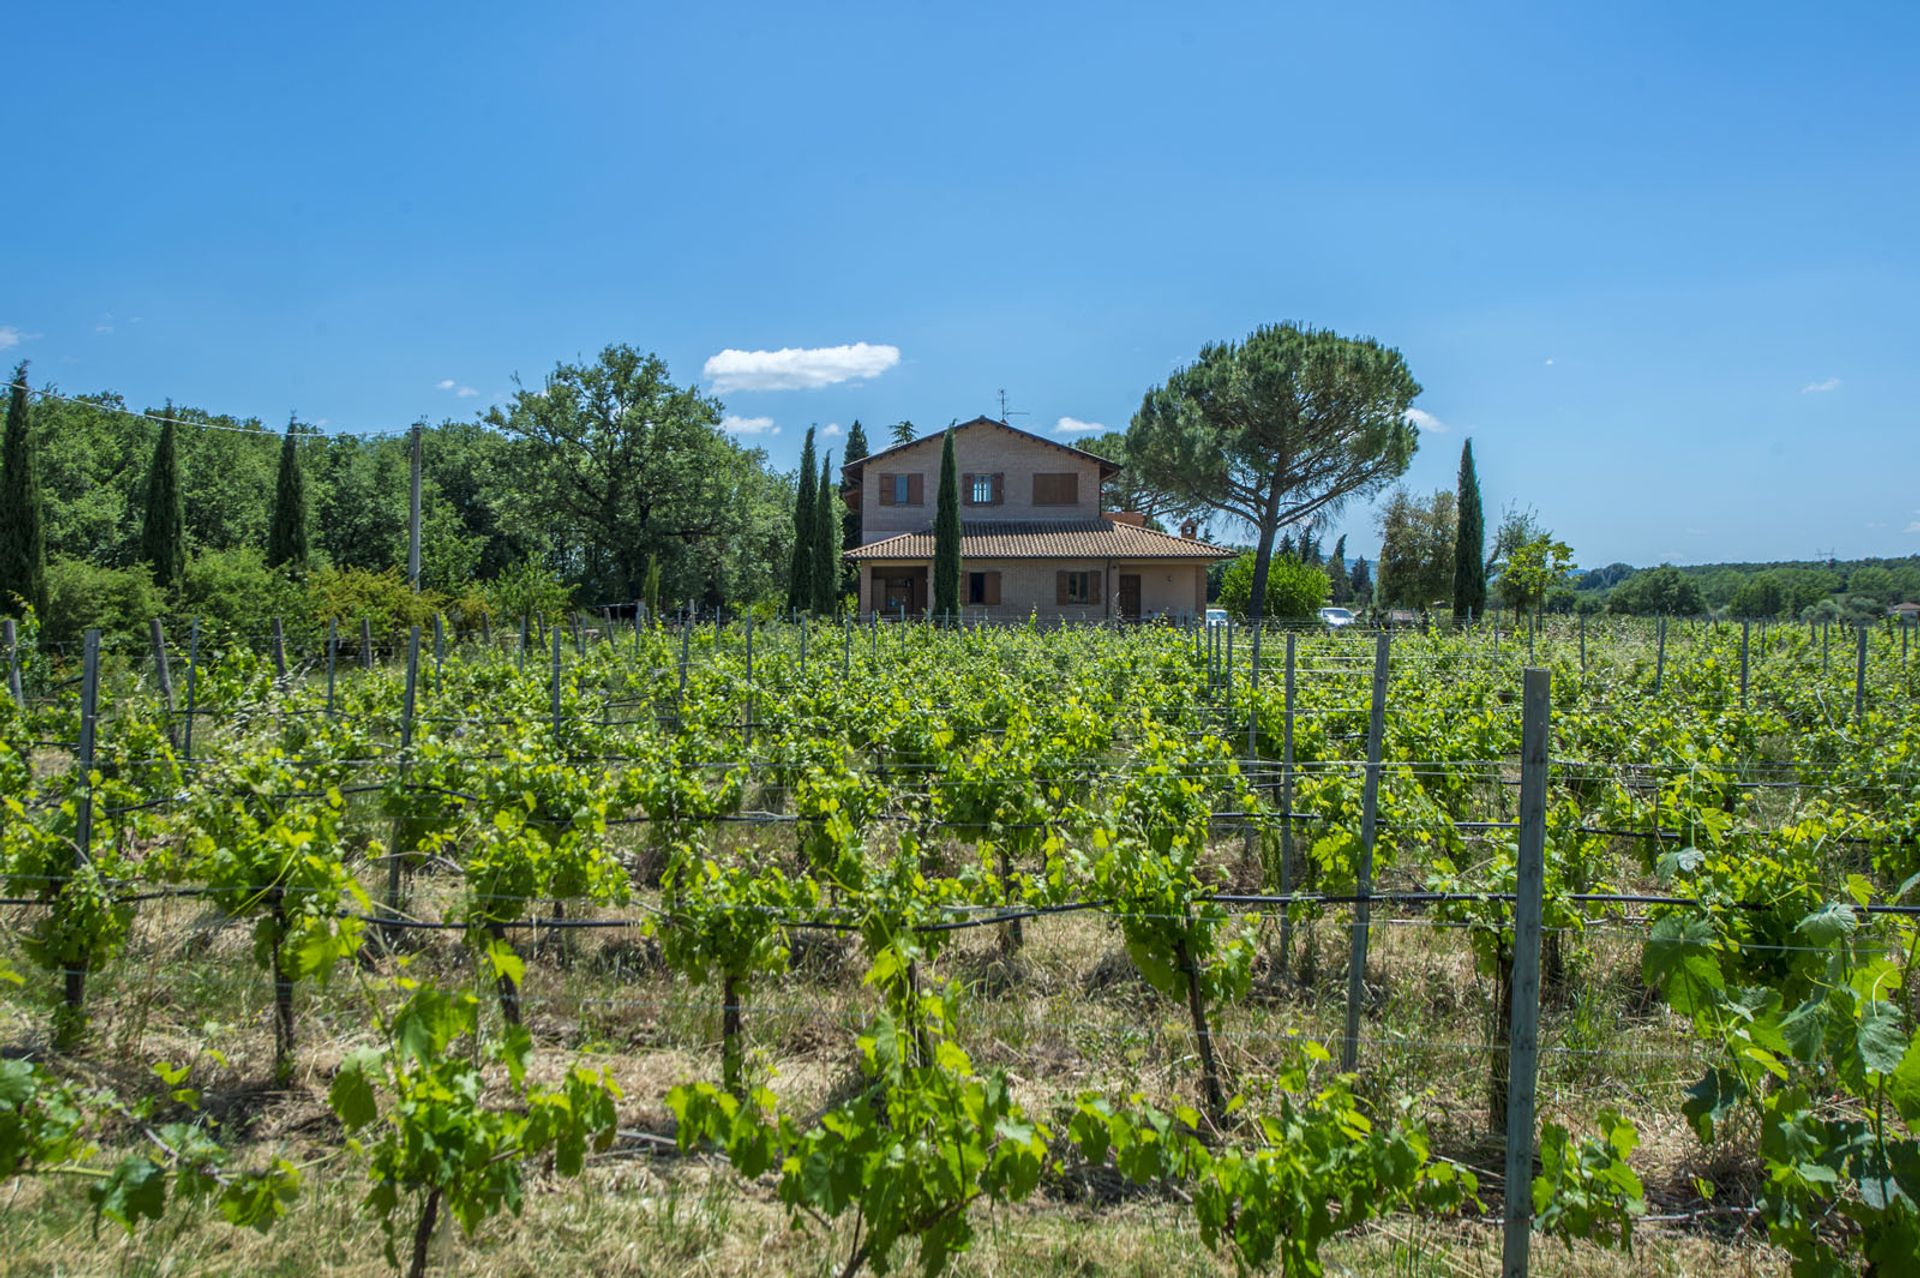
(1287, 424)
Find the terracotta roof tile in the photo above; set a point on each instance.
(1046, 539)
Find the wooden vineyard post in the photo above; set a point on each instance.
(193, 679)
(525, 638)
(1363, 873)
(1286, 815)
(72, 1020)
(486, 631)
(366, 643)
(686, 637)
(746, 719)
(1253, 685)
(439, 646)
(1746, 637)
(406, 762)
(279, 651)
(163, 675)
(1660, 657)
(1860, 676)
(333, 659)
(554, 686)
(12, 636)
(1524, 1030)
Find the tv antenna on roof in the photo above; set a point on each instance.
(1004, 413)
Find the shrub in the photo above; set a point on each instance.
(1294, 589)
(529, 589)
(120, 601)
(235, 594)
(352, 595)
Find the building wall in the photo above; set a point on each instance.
(1174, 589)
(977, 450)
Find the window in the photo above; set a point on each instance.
(983, 588)
(901, 490)
(1056, 489)
(980, 492)
(1079, 587)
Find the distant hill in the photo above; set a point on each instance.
(1855, 588)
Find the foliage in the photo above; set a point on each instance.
(1662, 591)
(1469, 546)
(805, 513)
(1417, 542)
(287, 534)
(825, 542)
(436, 1142)
(23, 547)
(1588, 1191)
(1289, 423)
(119, 602)
(237, 596)
(1531, 568)
(163, 533)
(532, 590)
(946, 537)
(1294, 589)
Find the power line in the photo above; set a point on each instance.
(259, 432)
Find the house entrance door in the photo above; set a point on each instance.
(1130, 596)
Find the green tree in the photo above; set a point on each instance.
(1360, 582)
(1662, 591)
(1294, 589)
(1470, 541)
(1126, 489)
(163, 540)
(1286, 425)
(1532, 568)
(287, 534)
(806, 512)
(619, 463)
(946, 538)
(1417, 541)
(23, 546)
(1341, 585)
(901, 432)
(850, 527)
(650, 588)
(825, 542)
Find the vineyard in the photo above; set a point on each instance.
(827, 948)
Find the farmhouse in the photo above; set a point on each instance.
(1034, 539)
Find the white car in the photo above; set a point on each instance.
(1217, 617)
(1335, 618)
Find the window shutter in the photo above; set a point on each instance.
(886, 490)
(1093, 586)
(999, 493)
(993, 588)
(966, 490)
(1069, 494)
(916, 491)
(1060, 587)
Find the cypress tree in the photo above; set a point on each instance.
(163, 542)
(850, 526)
(1469, 545)
(826, 542)
(946, 538)
(23, 543)
(800, 576)
(287, 534)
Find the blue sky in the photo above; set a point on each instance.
(1658, 261)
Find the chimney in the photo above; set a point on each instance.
(1190, 530)
(1133, 517)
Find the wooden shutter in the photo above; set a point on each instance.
(1093, 583)
(916, 490)
(1056, 489)
(1069, 495)
(1060, 587)
(999, 494)
(993, 589)
(966, 490)
(886, 490)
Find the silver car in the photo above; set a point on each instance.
(1335, 618)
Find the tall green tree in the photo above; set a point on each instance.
(856, 452)
(1286, 425)
(826, 542)
(1416, 549)
(1470, 541)
(163, 533)
(287, 533)
(902, 432)
(946, 538)
(23, 545)
(806, 510)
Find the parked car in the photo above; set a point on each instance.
(1335, 618)
(1217, 617)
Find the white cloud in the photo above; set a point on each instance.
(466, 392)
(1425, 421)
(1820, 387)
(1549, 359)
(1914, 526)
(797, 368)
(11, 337)
(445, 383)
(748, 425)
(1074, 426)
(104, 324)
(830, 430)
